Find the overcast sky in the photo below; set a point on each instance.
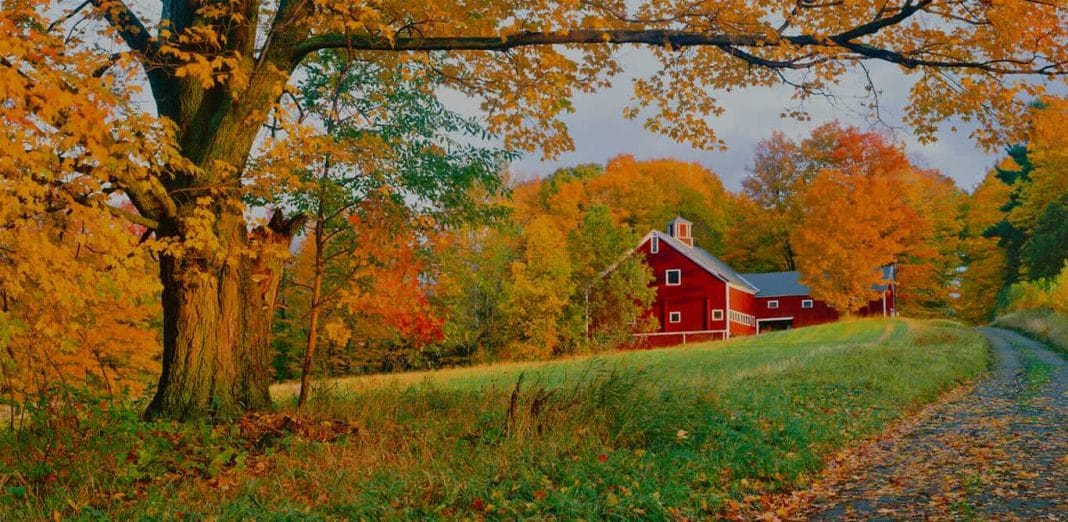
(600, 131)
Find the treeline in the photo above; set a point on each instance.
(419, 253)
(1016, 233)
(531, 283)
(839, 202)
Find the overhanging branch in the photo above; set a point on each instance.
(742, 46)
(665, 38)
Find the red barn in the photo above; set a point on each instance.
(700, 298)
(783, 302)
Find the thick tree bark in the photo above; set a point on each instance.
(217, 318)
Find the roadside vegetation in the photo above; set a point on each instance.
(692, 432)
(1043, 324)
(1039, 309)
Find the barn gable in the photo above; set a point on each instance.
(710, 263)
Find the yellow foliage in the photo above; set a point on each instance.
(78, 307)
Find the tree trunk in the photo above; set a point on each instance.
(217, 317)
(313, 336)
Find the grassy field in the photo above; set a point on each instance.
(685, 432)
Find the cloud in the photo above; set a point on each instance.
(600, 131)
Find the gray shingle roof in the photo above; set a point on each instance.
(707, 261)
(773, 284)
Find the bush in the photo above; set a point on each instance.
(1039, 309)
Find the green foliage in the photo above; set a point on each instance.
(614, 288)
(1046, 250)
(393, 152)
(432, 159)
(1012, 237)
(72, 452)
(473, 272)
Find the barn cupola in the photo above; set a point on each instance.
(681, 229)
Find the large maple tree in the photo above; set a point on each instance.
(216, 70)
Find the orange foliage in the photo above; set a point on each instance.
(641, 194)
(870, 208)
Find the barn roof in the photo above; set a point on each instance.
(707, 261)
(774, 284)
(888, 276)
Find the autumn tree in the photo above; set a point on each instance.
(1043, 201)
(870, 207)
(640, 194)
(214, 72)
(538, 292)
(770, 204)
(382, 312)
(847, 234)
(985, 263)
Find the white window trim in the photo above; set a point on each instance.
(742, 318)
(773, 304)
(717, 314)
(667, 276)
(674, 317)
(807, 303)
(654, 245)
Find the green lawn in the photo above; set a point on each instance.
(672, 432)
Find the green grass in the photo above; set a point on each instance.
(651, 434)
(1037, 374)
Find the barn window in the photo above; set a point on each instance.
(673, 277)
(806, 303)
(675, 317)
(654, 245)
(717, 315)
(773, 305)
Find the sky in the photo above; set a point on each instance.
(600, 131)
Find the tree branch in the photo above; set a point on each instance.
(658, 37)
(730, 43)
(137, 219)
(128, 25)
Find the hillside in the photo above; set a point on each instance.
(689, 431)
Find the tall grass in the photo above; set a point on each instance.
(661, 433)
(1044, 324)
